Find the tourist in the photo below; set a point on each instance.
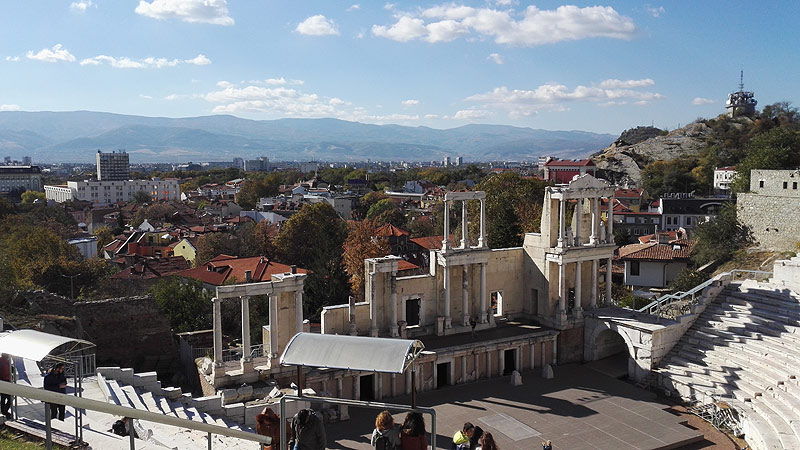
(473, 323)
(308, 432)
(412, 434)
(467, 437)
(269, 424)
(56, 381)
(124, 427)
(5, 375)
(385, 436)
(487, 442)
(547, 445)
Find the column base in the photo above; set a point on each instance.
(578, 313)
(448, 323)
(352, 331)
(561, 318)
(465, 321)
(394, 332)
(373, 332)
(482, 317)
(246, 365)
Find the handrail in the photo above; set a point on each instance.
(123, 411)
(654, 306)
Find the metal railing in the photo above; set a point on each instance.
(657, 306)
(44, 396)
(229, 354)
(358, 404)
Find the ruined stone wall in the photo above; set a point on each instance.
(772, 219)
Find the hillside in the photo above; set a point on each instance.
(74, 136)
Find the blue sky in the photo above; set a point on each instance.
(600, 67)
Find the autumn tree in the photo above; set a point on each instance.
(362, 243)
(32, 196)
(513, 208)
(211, 245)
(141, 197)
(104, 236)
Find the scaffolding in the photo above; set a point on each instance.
(721, 415)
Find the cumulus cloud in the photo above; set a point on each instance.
(702, 101)
(146, 97)
(318, 25)
(192, 11)
(471, 114)
(495, 58)
(12, 58)
(410, 102)
(656, 11)
(9, 107)
(146, 63)
(283, 81)
(521, 102)
(353, 7)
(81, 6)
(530, 27)
(55, 54)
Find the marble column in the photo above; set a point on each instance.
(464, 368)
(373, 308)
(464, 231)
(578, 309)
(476, 369)
(393, 307)
(608, 283)
(482, 239)
(343, 412)
(561, 222)
(464, 295)
(446, 237)
(610, 234)
(356, 387)
(394, 385)
(408, 380)
(595, 221)
(595, 268)
(488, 363)
(482, 316)
(245, 328)
(217, 305)
(555, 352)
(533, 355)
(561, 288)
(501, 362)
(273, 325)
(577, 224)
(298, 311)
(446, 274)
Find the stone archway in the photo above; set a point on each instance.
(612, 346)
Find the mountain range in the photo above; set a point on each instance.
(74, 136)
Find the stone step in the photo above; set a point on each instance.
(118, 396)
(773, 414)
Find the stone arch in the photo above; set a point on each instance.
(602, 334)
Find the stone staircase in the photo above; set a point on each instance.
(743, 350)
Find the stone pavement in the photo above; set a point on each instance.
(578, 409)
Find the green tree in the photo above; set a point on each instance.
(255, 189)
(720, 237)
(505, 230)
(104, 236)
(386, 211)
(361, 243)
(622, 237)
(31, 196)
(211, 245)
(778, 148)
(513, 207)
(187, 304)
(141, 197)
(312, 238)
(687, 279)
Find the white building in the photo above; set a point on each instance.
(723, 177)
(113, 166)
(108, 192)
(26, 178)
(87, 246)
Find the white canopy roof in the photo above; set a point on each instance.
(351, 352)
(35, 345)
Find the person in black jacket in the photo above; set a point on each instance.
(308, 431)
(56, 381)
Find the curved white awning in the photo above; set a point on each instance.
(351, 352)
(35, 345)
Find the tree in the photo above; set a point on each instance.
(253, 190)
(264, 236)
(187, 304)
(361, 243)
(104, 236)
(141, 197)
(505, 230)
(312, 238)
(31, 196)
(211, 245)
(720, 237)
(687, 279)
(778, 148)
(513, 207)
(386, 211)
(366, 202)
(622, 237)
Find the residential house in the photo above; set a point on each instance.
(723, 177)
(397, 239)
(561, 171)
(226, 269)
(681, 210)
(186, 248)
(656, 263)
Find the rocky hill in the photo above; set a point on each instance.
(624, 160)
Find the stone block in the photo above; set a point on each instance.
(206, 366)
(245, 391)
(547, 372)
(516, 378)
(234, 412)
(112, 373)
(145, 379)
(125, 376)
(229, 396)
(172, 393)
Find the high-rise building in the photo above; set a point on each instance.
(114, 166)
(459, 160)
(446, 161)
(258, 165)
(26, 160)
(238, 163)
(7, 160)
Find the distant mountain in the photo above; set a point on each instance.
(75, 136)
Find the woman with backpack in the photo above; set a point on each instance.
(386, 436)
(412, 433)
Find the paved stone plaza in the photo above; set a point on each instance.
(578, 409)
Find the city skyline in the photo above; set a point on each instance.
(546, 65)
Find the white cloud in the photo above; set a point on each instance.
(702, 101)
(389, 6)
(318, 25)
(199, 60)
(471, 114)
(655, 12)
(82, 6)
(192, 11)
(146, 97)
(146, 63)
(283, 81)
(529, 27)
(410, 102)
(55, 54)
(9, 107)
(353, 7)
(12, 58)
(554, 97)
(495, 58)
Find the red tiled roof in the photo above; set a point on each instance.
(390, 230)
(569, 162)
(657, 252)
(226, 268)
(728, 168)
(153, 268)
(431, 242)
(405, 265)
(628, 193)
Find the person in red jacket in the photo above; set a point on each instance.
(412, 434)
(5, 375)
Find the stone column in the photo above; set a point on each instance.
(393, 326)
(475, 361)
(447, 320)
(593, 303)
(373, 309)
(217, 304)
(555, 352)
(273, 326)
(394, 385)
(464, 231)
(408, 381)
(464, 295)
(610, 234)
(488, 363)
(482, 239)
(533, 355)
(608, 282)
(356, 387)
(501, 358)
(298, 311)
(578, 297)
(377, 386)
(595, 221)
(245, 328)
(561, 289)
(343, 411)
(577, 224)
(446, 237)
(544, 361)
(561, 223)
(483, 312)
(464, 368)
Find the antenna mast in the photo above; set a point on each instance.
(741, 80)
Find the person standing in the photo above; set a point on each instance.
(487, 442)
(5, 375)
(56, 381)
(308, 431)
(385, 436)
(412, 434)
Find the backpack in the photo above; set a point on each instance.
(119, 428)
(382, 443)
